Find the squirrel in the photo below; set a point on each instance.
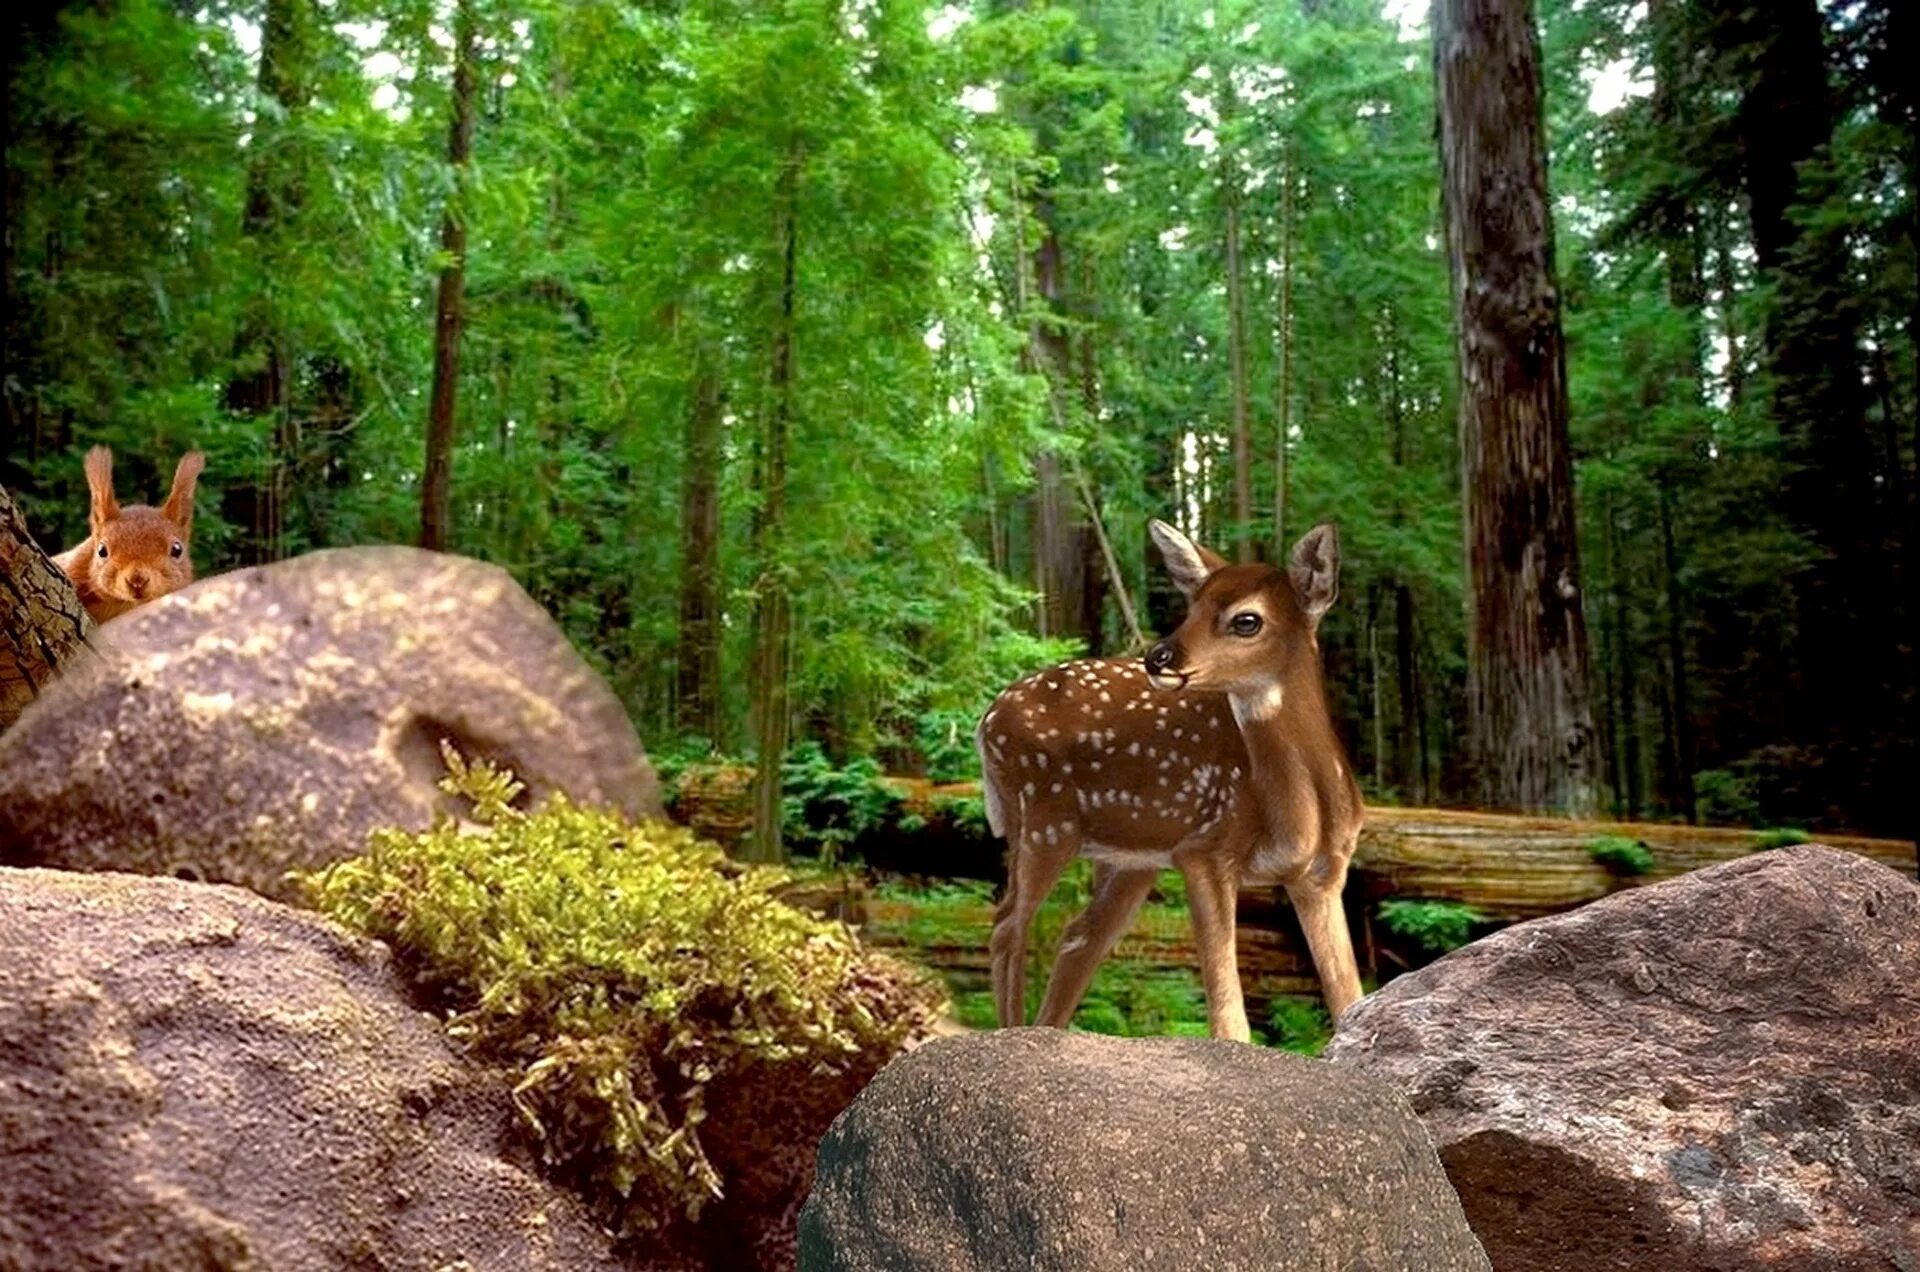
(134, 554)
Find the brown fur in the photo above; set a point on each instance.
(1221, 762)
(142, 562)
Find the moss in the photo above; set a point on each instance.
(621, 970)
(1780, 837)
(1618, 853)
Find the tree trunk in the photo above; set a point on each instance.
(1409, 763)
(45, 627)
(1283, 379)
(1682, 732)
(698, 697)
(1531, 724)
(263, 387)
(1237, 357)
(449, 308)
(1832, 487)
(772, 614)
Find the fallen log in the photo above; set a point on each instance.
(1508, 867)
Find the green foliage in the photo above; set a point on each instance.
(1299, 1024)
(178, 219)
(1621, 854)
(827, 808)
(621, 971)
(1725, 798)
(1780, 837)
(1436, 926)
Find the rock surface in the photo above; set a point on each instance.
(194, 1078)
(267, 719)
(1721, 1071)
(1041, 1149)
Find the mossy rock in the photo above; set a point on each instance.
(680, 1038)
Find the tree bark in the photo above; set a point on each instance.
(1682, 731)
(772, 614)
(1833, 487)
(1237, 354)
(698, 697)
(45, 628)
(1531, 722)
(450, 304)
(1283, 380)
(274, 194)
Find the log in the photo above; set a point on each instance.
(1509, 867)
(1513, 867)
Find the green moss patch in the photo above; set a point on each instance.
(624, 973)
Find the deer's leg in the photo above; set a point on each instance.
(1316, 899)
(1213, 886)
(1033, 867)
(1091, 936)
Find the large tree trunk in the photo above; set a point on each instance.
(1283, 377)
(698, 698)
(263, 387)
(1059, 547)
(45, 626)
(1833, 486)
(450, 305)
(773, 619)
(1531, 723)
(1237, 351)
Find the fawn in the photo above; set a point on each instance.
(1214, 755)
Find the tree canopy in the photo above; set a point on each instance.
(844, 347)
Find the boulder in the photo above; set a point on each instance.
(1721, 1071)
(267, 719)
(194, 1077)
(1042, 1149)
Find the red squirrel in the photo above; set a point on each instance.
(134, 554)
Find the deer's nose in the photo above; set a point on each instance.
(1160, 657)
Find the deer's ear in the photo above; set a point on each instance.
(1189, 563)
(179, 505)
(1315, 569)
(103, 507)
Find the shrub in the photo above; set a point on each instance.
(1436, 926)
(824, 808)
(1299, 1024)
(625, 974)
(1618, 853)
(1780, 837)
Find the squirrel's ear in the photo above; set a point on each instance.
(104, 507)
(179, 505)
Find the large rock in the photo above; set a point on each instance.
(1041, 1149)
(1721, 1071)
(195, 1078)
(269, 718)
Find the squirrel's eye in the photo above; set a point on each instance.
(103, 552)
(177, 549)
(1245, 624)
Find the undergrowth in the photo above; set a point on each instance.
(1435, 926)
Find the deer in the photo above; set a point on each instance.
(1214, 754)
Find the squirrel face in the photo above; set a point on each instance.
(140, 555)
(136, 553)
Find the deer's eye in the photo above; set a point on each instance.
(1246, 624)
(103, 552)
(177, 549)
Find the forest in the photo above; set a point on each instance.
(818, 364)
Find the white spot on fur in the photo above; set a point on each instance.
(1259, 707)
